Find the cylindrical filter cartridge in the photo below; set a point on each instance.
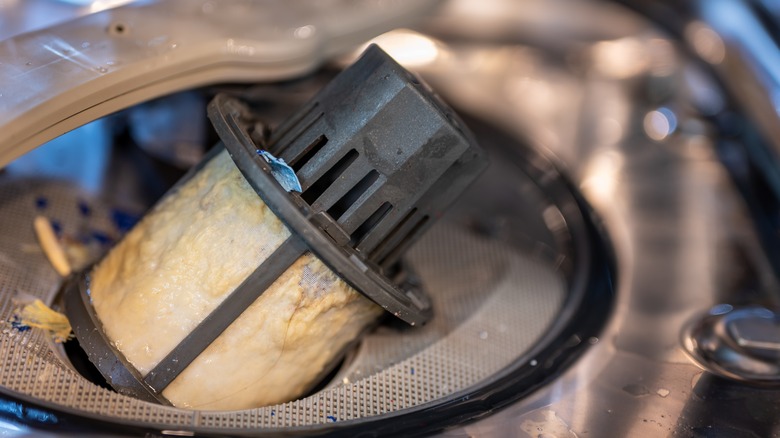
(180, 262)
(240, 288)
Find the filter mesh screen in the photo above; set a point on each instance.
(492, 303)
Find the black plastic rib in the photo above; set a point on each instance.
(220, 318)
(111, 363)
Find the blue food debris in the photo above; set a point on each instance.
(41, 202)
(25, 413)
(84, 208)
(102, 238)
(16, 323)
(282, 172)
(411, 371)
(124, 221)
(331, 418)
(57, 227)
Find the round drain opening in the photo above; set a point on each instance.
(517, 271)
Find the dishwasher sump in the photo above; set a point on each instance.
(509, 270)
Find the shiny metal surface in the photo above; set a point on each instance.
(739, 41)
(64, 76)
(620, 105)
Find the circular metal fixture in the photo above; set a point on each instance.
(741, 343)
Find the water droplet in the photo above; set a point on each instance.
(483, 335)
(533, 362)
(28, 63)
(85, 44)
(101, 69)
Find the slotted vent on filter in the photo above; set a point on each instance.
(343, 188)
(353, 195)
(292, 140)
(408, 227)
(310, 151)
(313, 192)
(360, 232)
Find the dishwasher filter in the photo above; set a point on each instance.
(374, 160)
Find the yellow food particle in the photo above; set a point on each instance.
(51, 246)
(39, 315)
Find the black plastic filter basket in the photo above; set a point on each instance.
(377, 158)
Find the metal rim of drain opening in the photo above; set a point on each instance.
(587, 305)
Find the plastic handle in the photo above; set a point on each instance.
(57, 79)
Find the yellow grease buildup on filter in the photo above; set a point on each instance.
(184, 258)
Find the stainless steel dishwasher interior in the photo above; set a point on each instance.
(622, 203)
